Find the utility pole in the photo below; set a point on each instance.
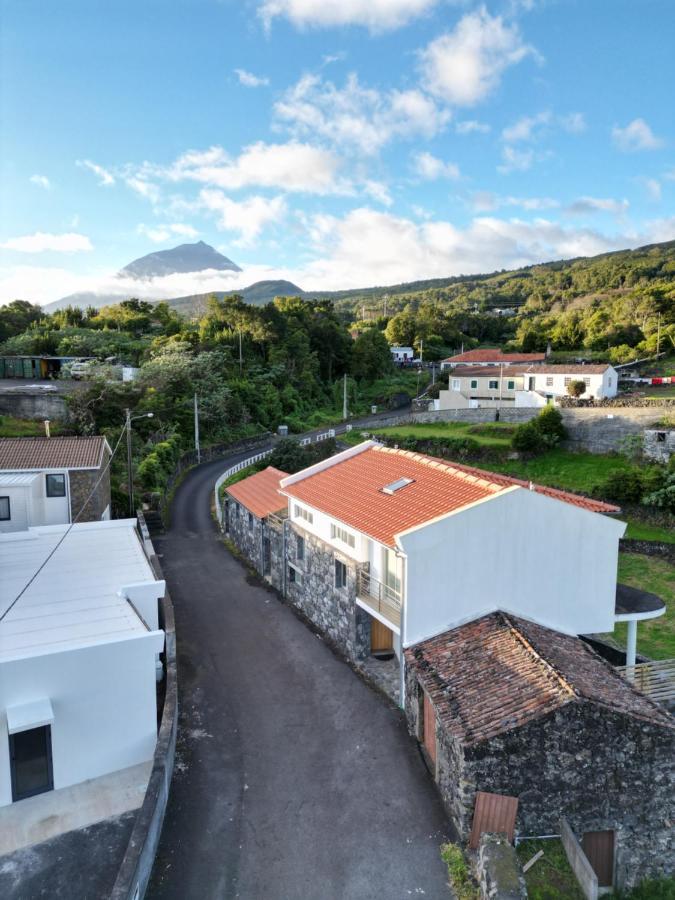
(130, 476)
(344, 396)
(241, 358)
(658, 335)
(421, 351)
(433, 373)
(385, 298)
(199, 455)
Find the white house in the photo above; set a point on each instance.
(402, 354)
(425, 546)
(78, 655)
(544, 383)
(48, 481)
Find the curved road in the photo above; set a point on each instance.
(294, 780)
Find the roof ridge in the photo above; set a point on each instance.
(548, 666)
(441, 466)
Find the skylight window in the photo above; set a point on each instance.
(397, 485)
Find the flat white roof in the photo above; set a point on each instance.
(75, 600)
(17, 479)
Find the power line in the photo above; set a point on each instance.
(68, 530)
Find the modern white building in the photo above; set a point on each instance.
(79, 650)
(402, 354)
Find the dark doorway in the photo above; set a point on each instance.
(267, 556)
(30, 755)
(599, 849)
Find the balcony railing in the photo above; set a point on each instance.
(380, 597)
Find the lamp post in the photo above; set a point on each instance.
(130, 474)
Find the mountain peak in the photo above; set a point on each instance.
(182, 259)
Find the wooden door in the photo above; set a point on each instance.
(599, 849)
(381, 637)
(429, 728)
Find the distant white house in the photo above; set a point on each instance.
(402, 354)
(78, 656)
(544, 383)
(47, 481)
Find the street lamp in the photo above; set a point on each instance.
(130, 477)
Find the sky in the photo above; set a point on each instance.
(335, 143)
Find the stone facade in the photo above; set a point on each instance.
(498, 871)
(598, 768)
(660, 444)
(81, 483)
(333, 610)
(259, 540)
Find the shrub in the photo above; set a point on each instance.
(458, 872)
(576, 388)
(664, 496)
(550, 425)
(528, 439)
(623, 487)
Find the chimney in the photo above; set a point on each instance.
(532, 485)
(548, 350)
(47, 428)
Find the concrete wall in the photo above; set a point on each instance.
(39, 405)
(520, 551)
(104, 702)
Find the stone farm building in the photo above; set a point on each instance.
(46, 481)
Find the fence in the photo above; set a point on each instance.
(654, 679)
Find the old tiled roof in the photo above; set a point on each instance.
(466, 371)
(494, 354)
(352, 491)
(51, 453)
(500, 672)
(259, 493)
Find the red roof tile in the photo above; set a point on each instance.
(500, 672)
(259, 493)
(51, 453)
(494, 355)
(351, 491)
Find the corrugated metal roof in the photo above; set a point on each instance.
(51, 453)
(17, 479)
(259, 493)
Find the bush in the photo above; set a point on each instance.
(528, 439)
(576, 388)
(539, 434)
(623, 487)
(458, 872)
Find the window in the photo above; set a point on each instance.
(549, 381)
(510, 385)
(340, 574)
(250, 520)
(567, 380)
(4, 509)
(493, 385)
(609, 381)
(474, 383)
(587, 382)
(455, 384)
(341, 534)
(299, 547)
(294, 576)
(660, 439)
(56, 485)
(301, 513)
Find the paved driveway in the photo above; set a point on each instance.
(294, 780)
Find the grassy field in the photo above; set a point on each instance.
(494, 434)
(641, 531)
(551, 877)
(11, 427)
(656, 637)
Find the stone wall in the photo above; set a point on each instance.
(660, 444)
(597, 768)
(246, 532)
(497, 869)
(81, 483)
(38, 405)
(333, 610)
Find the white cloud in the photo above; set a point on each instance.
(41, 242)
(525, 128)
(161, 233)
(247, 217)
(357, 117)
(585, 205)
(378, 191)
(377, 15)
(466, 64)
(469, 126)
(105, 178)
(248, 79)
(514, 160)
(653, 188)
(292, 167)
(431, 167)
(637, 135)
(485, 201)
(574, 122)
(41, 181)
(141, 186)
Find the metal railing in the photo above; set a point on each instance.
(228, 473)
(380, 597)
(654, 679)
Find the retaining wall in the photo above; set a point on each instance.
(136, 868)
(39, 406)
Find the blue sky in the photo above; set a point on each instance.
(339, 143)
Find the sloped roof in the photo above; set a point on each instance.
(466, 371)
(51, 453)
(491, 354)
(500, 672)
(259, 493)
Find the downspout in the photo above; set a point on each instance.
(404, 629)
(284, 563)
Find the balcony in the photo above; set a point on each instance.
(382, 599)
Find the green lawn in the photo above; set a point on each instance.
(11, 427)
(640, 531)
(494, 434)
(551, 877)
(656, 637)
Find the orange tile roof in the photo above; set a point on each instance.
(259, 493)
(494, 355)
(51, 453)
(351, 491)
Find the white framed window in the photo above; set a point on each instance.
(567, 380)
(301, 513)
(5, 513)
(474, 383)
(510, 385)
(56, 485)
(493, 385)
(294, 575)
(341, 534)
(609, 381)
(587, 382)
(455, 384)
(549, 381)
(340, 574)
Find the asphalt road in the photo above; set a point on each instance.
(294, 780)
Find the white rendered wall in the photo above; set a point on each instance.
(104, 703)
(320, 528)
(519, 551)
(596, 389)
(19, 508)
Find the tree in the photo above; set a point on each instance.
(371, 357)
(576, 388)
